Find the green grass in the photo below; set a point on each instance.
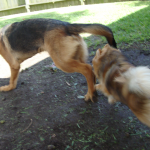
(128, 20)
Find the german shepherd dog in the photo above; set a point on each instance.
(21, 40)
(121, 81)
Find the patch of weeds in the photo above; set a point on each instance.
(117, 104)
(2, 121)
(35, 144)
(40, 72)
(42, 130)
(41, 138)
(68, 147)
(96, 138)
(83, 112)
(17, 147)
(123, 121)
(31, 88)
(84, 148)
(131, 120)
(28, 131)
(12, 119)
(71, 110)
(78, 125)
(23, 112)
(88, 41)
(28, 107)
(37, 117)
(96, 43)
(27, 144)
(65, 115)
(40, 93)
(92, 53)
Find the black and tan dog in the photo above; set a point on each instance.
(21, 40)
(121, 81)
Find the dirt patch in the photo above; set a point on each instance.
(46, 111)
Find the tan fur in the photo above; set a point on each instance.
(110, 67)
(69, 53)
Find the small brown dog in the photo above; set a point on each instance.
(121, 81)
(22, 40)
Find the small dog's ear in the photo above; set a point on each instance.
(106, 46)
(100, 51)
(120, 79)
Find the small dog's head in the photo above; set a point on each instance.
(101, 57)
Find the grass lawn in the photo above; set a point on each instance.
(130, 21)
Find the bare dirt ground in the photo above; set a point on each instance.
(46, 111)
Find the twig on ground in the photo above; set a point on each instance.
(27, 127)
(67, 83)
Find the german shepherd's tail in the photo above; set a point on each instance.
(138, 80)
(97, 29)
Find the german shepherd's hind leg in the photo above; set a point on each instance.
(91, 94)
(13, 80)
(70, 56)
(86, 70)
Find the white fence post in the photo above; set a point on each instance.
(27, 5)
(82, 2)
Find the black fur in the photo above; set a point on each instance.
(28, 35)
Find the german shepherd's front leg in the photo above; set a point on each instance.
(13, 80)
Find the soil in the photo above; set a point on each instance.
(47, 110)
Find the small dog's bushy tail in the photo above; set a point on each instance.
(138, 82)
(138, 79)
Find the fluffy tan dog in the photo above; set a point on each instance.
(121, 81)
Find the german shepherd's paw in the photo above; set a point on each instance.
(92, 97)
(7, 88)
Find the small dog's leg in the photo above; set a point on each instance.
(103, 89)
(13, 80)
(98, 87)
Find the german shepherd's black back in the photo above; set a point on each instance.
(29, 34)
